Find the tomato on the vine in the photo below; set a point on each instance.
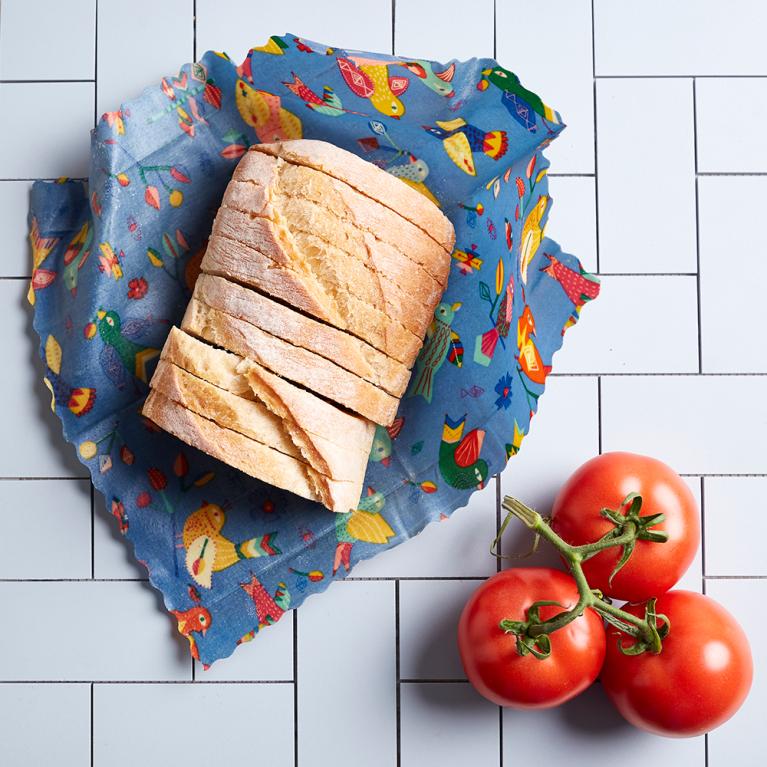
(604, 482)
(490, 657)
(698, 681)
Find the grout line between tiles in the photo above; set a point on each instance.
(96, 66)
(596, 153)
(95, 682)
(43, 82)
(697, 223)
(703, 533)
(295, 688)
(397, 673)
(681, 77)
(93, 533)
(599, 414)
(92, 724)
(194, 30)
(679, 374)
(393, 19)
(434, 681)
(499, 544)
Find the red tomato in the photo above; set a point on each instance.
(489, 655)
(699, 679)
(604, 482)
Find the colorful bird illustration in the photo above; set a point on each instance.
(439, 82)
(369, 79)
(522, 103)
(109, 261)
(264, 112)
(380, 451)
(484, 347)
(41, 249)
(414, 172)
(122, 359)
(529, 357)
(441, 343)
(532, 234)
(328, 104)
(459, 455)
(460, 139)
(579, 287)
(76, 255)
(208, 551)
(195, 619)
(365, 524)
(78, 399)
(268, 609)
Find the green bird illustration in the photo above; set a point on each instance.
(459, 461)
(442, 342)
(365, 524)
(122, 359)
(380, 451)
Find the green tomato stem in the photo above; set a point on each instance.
(641, 629)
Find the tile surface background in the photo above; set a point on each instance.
(658, 186)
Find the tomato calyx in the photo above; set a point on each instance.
(532, 634)
(629, 525)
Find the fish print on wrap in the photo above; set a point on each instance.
(114, 262)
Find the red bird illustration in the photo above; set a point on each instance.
(195, 619)
(268, 610)
(579, 287)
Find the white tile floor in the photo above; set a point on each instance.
(667, 107)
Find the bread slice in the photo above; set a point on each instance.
(264, 236)
(347, 351)
(291, 362)
(250, 456)
(369, 180)
(312, 415)
(370, 270)
(349, 205)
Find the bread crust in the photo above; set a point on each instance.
(369, 180)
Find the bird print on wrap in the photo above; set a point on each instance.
(529, 357)
(441, 343)
(264, 112)
(328, 104)
(269, 609)
(460, 139)
(209, 551)
(41, 249)
(76, 255)
(365, 524)
(78, 399)
(439, 82)
(196, 619)
(370, 79)
(532, 234)
(579, 286)
(485, 345)
(123, 359)
(381, 449)
(521, 103)
(459, 455)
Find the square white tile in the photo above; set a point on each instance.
(455, 547)
(15, 260)
(732, 269)
(740, 741)
(638, 325)
(47, 40)
(163, 33)
(267, 657)
(645, 140)
(45, 724)
(50, 525)
(461, 35)
(42, 452)
(358, 24)
(346, 664)
(44, 129)
(428, 618)
(685, 37)
(734, 533)
(698, 425)
(154, 725)
(563, 435)
(589, 731)
(573, 218)
(446, 725)
(100, 630)
(549, 46)
(726, 145)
